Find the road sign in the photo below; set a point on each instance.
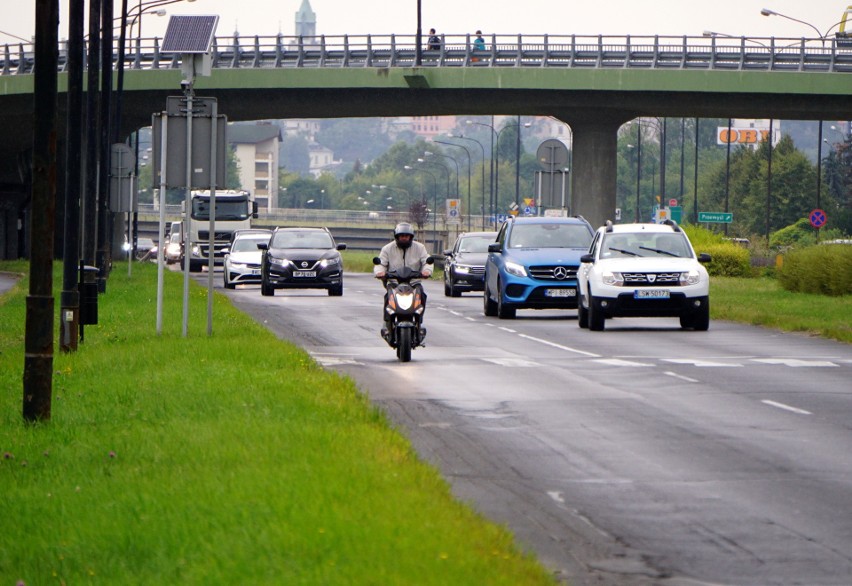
(716, 217)
(817, 218)
(676, 213)
(672, 203)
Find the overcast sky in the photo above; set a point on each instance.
(558, 17)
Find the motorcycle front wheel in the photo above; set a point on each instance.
(403, 344)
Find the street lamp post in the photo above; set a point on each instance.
(517, 161)
(455, 162)
(469, 163)
(435, 196)
(491, 164)
(482, 166)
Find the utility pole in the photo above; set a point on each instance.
(70, 299)
(38, 357)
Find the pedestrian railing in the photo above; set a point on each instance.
(831, 54)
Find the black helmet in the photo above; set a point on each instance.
(403, 228)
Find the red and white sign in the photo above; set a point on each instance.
(672, 203)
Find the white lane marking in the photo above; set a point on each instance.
(456, 313)
(334, 359)
(620, 362)
(794, 362)
(505, 329)
(560, 346)
(513, 362)
(697, 362)
(470, 319)
(786, 407)
(556, 495)
(681, 377)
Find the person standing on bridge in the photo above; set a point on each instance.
(478, 45)
(434, 41)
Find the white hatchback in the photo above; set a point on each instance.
(643, 270)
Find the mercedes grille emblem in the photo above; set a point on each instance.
(560, 273)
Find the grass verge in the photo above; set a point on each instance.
(762, 302)
(231, 459)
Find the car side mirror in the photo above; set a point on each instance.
(263, 245)
(587, 258)
(495, 247)
(341, 246)
(226, 251)
(704, 257)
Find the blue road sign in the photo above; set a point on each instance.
(817, 218)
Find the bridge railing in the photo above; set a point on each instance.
(576, 51)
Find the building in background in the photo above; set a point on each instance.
(256, 147)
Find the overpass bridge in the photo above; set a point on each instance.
(593, 83)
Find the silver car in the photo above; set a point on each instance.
(242, 258)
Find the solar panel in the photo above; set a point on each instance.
(190, 33)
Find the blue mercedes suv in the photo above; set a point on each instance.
(533, 264)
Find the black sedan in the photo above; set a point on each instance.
(301, 258)
(464, 267)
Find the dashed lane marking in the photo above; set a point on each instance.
(795, 362)
(698, 362)
(560, 346)
(786, 407)
(620, 362)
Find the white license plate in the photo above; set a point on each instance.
(560, 292)
(651, 294)
(304, 273)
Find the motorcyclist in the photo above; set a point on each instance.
(403, 251)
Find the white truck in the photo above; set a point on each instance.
(235, 210)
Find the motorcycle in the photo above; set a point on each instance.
(404, 311)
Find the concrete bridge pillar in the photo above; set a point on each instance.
(594, 169)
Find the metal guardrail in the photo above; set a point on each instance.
(560, 51)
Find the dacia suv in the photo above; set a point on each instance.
(301, 258)
(533, 264)
(643, 270)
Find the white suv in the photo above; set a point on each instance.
(643, 270)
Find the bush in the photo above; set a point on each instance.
(822, 269)
(729, 259)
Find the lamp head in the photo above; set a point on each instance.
(767, 12)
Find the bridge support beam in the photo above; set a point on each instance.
(594, 167)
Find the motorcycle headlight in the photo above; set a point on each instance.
(516, 269)
(612, 278)
(405, 301)
(690, 277)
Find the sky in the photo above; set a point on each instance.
(504, 17)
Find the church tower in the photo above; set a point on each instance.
(306, 21)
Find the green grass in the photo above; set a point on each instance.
(231, 459)
(763, 302)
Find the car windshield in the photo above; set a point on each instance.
(248, 243)
(549, 236)
(645, 244)
(302, 239)
(475, 243)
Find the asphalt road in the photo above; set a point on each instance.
(639, 455)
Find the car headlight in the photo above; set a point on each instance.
(237, 265)
(330, 262)
(464, 269)
(516, 269)
(612, 278)
(690, 277)
(281, 262)
(196, 251)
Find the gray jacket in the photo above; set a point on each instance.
(393, 257)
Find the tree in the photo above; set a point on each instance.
(418, 212)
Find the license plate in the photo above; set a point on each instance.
(304, 273)
(560, 292)
(651, 294)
